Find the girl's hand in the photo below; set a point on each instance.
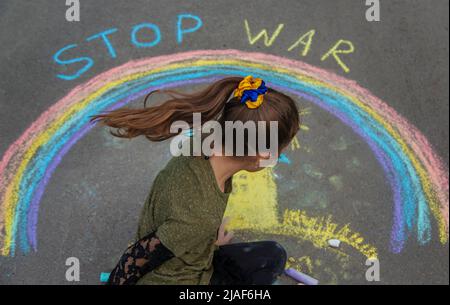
(224, 237)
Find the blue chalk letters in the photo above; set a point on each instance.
(104, 36)
(89, 63)
(143, 35)
(181, 31)
(138, 28)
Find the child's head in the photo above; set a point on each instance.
(231, 99)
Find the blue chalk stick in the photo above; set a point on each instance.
(104, 276)
(284, 159)
(301, 277)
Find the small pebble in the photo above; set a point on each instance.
(334, 243)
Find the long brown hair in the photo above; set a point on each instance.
(213, 102)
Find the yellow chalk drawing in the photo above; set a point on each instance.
(302, 113)
(337, 182)
(268, 42)
(253, 206)
(319, 230)
(306, 41)
(305, 111)
(253, 203)
(304, 127)
(302, 264)
(295, 143)
(334, 51)
(328, 274)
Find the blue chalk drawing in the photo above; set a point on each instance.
(141, 26)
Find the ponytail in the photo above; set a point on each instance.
(154, 122)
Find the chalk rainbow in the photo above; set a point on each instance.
(417, 176)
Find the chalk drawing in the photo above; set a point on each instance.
(337, 182)
(340, 269)
(359, 206)
(267, 41)
(340, 47)
(104, 36)
(335, 50)
(255, 208)
(305, 40)
(353, 165)
(311, 171)
(339, 145)
(147, 44)
(315, 199)
(417, 176)
(295, 144)
(137, 39)
(284, 159)
(303, 264)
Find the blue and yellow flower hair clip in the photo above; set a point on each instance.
(251, 91)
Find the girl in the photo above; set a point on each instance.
(180, 238)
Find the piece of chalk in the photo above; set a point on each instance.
(301, 277)
(335, 243)
(104, 276)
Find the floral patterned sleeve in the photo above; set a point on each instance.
(143, 256)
